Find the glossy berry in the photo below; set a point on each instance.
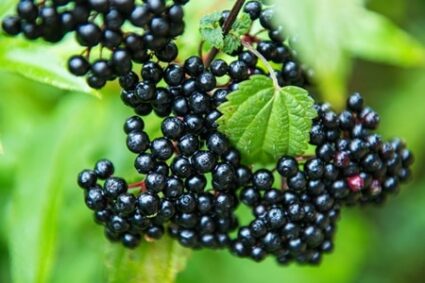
(287, 166)
(114, 186)
(263, 179)
(89, 34)
(219, 67)
(253, 9)
(148, 204)
(104, 169)
(78, 65)
(87, 179)
(138, 142)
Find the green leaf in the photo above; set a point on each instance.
(242, 25)
(37, 198)
(42, 62)
(211, 19)
(266, 123)
(211, 31)
(330, 33)
(1, 148)
(159, 261)
(5, 7)
(231, 42)
(381, 40)
(213, 36)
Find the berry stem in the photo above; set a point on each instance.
(227, 26)
(283, 184)
(200, 47)
(303, 157)
(140, 185)
(265, 62)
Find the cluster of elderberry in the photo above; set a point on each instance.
(357, 163)
(174, 194)
(191, 179)
(192, 87)
(352, 165)
(289, 223)
(107, 24)
(294, 221)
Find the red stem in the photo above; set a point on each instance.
(136, 185)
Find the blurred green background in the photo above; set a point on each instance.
(49, 133)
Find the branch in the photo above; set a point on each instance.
(227, 26)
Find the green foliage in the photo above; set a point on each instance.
(50, 231)
(266, 123)
(6, 6)
(38, 60)
(381, 40)
(36, 201)
(42, 62)
(240, 27)
(159, 261)
(212, 32)
(332, 32)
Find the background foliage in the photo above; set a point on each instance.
(50, 129)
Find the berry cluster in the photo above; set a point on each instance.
(106, 24)
(191, 179)
(358, 165)
(192, 87)
(294, 219)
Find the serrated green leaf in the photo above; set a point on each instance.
(213, 36)
(159, 261)
(211, 31)
(231, 42)
(266, 123)
(240, 27)
(242, 24)
(42, 62)
(210, 20)
(378, 39)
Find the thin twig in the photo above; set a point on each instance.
(200, 47)
(227, 26)
(265, 62)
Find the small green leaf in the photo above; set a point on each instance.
(1, 148)
(242, 24)
(213, 36)
(211, 19)
(211, 31)
(159, 261)
(378, 39)
(42, 62)
(231, 42)
(266, 123)
(240, 27)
